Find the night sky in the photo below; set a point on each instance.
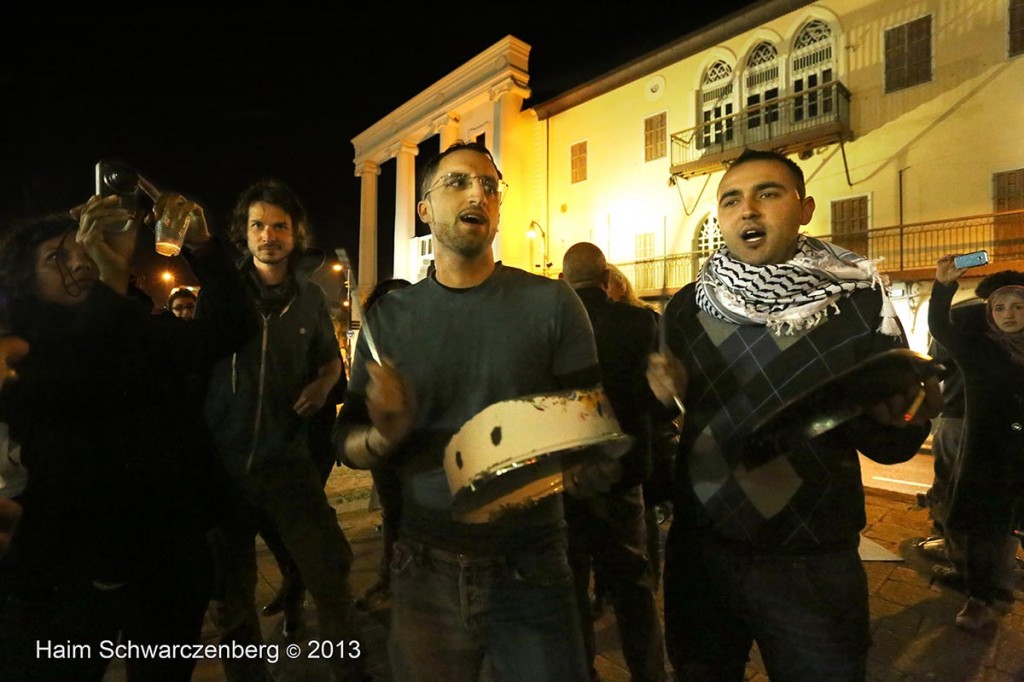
(207, 103)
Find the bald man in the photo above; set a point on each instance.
(608, 532)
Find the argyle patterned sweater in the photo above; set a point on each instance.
(806, 500)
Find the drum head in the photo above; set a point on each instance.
(512, 454)
(519, 488)
(841, 398)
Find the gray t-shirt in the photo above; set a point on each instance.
(463, 350)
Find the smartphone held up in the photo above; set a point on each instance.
(970, 260)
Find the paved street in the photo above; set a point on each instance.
(912, 619)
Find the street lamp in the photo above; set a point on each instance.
(532, 232)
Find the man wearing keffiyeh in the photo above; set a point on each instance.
(763, 546)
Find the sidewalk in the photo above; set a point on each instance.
(912, 620)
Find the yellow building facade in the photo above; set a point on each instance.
(905, 116)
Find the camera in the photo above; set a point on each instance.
(970, 260)
(114, 178)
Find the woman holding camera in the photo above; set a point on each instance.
(112, 535)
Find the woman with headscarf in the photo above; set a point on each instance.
(988, 482)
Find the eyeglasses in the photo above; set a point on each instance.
(460, 182)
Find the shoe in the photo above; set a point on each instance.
(949, 576)
(293, 622)
(376, 594)
(274, 606)
(933, 548)
(975, 615)
(1002, 607)
(216, 611)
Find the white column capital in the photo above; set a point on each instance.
(403, 147)
(366, 168)
(509, 87)
(448, 119)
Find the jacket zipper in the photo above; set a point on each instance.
(259, 392)
(261, 386)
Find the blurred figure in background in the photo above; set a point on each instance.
(182, 303)
(621, 289)
(664, 441)
(607, 531)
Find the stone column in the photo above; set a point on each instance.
(405, 209)
(367, 172)
(447, 127)
(507, 101)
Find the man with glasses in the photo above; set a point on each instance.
(475, 333)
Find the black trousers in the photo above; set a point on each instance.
(609, 531)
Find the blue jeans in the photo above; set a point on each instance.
(451, 612)
(808, 613)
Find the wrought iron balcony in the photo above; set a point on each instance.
(811, 118)
(906, 252)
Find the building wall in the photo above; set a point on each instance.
(923, 153)
(942, 140)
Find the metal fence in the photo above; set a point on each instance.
(771, 123)
(900, 248)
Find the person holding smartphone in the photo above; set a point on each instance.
(112, 539)
(990, 475)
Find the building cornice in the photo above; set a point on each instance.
(499, 69)
(702, 39)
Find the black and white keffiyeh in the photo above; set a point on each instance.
(790, 296)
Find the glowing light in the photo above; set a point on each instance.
(336, 267)
(167, 276)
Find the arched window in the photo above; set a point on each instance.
(761, 81)
(709, 238)
(716, 102)
(812, 65)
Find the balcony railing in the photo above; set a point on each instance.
(805, 120)
(906, 251)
